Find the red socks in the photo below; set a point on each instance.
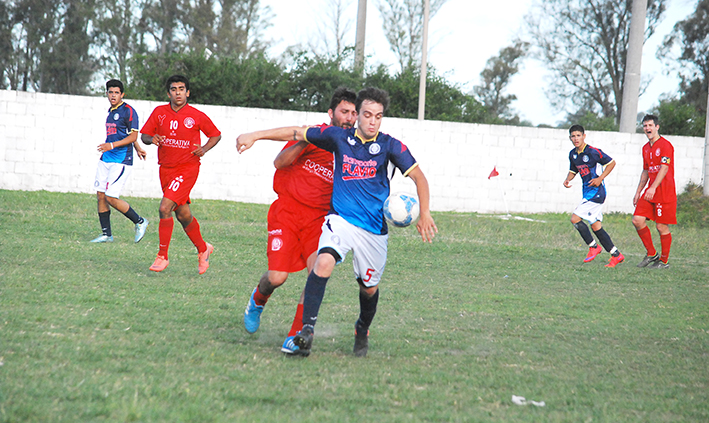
(646, 238)
(193, 232)
(297, 321)
(259, 298)
(666, 243)
(165, 234)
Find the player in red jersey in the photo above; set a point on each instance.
(303, 182)
(659, 200)
(175, 128)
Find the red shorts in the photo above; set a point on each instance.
(293, 234)
(177, 182)
(665, 213)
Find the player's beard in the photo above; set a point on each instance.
(345, 125)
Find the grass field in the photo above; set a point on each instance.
(493, 308)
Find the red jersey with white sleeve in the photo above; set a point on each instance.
(661, 152)
(182, 133)
(308, 179)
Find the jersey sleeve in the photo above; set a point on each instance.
(572, 165)
(133, 124)
(602, 157)
(208, 127)
(401, 157)
(323, 136)
(666, 154)
(151, 125)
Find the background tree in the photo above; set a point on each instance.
(34, 25)
(66, 65)
(116, 37)
(159, 20)
(584, 43)
(329, 39)
(495, 79)
(402, 21)
(686, 113)
(7, 49)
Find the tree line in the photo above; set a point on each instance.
(68, 46)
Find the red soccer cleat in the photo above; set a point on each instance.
(615, 260)
(592, 253)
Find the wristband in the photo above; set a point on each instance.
(111, 146)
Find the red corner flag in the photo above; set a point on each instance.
(494, 172)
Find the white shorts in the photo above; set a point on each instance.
(590, 211)
(111, 177)
(369, 250)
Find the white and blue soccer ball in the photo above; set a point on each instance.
(401, 209)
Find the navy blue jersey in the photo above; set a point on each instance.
(361, 183)
(586, 164)
(121, 121)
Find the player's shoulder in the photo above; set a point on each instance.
(665, 141)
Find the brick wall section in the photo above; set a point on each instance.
(49, 143)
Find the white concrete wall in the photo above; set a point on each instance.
(49, 143)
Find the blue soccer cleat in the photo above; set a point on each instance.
(140, 229)
(252, 315)
(102, 239)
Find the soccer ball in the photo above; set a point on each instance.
(401, 209)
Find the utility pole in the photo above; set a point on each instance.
(706, 146)
(631, 86)
(424, 59)
(361, 25)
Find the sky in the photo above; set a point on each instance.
(463, 35)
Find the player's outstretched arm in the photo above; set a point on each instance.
(426, 226)
(246, 141)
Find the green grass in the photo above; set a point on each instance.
(491, 309)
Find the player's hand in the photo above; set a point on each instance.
(199, 151)
(650, 193)
(427, 227)
(104, 147)
(141, 154)
(158, 139)
(245, 141)
(595, 182)
(567, 183)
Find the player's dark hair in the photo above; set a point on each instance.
(177, 78)
(372, 94)
(114, 83)
(342, 94)
(653, 118)
(576, 128)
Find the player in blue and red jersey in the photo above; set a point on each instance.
(175, 128)
(659, 200)
(356, 220)
(303, 182)
(585, 160)
(116, 163)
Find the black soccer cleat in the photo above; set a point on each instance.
(361, 344)
(648, 260)
(304, 340)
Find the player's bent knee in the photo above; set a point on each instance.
(332, 252)
(277, 279)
